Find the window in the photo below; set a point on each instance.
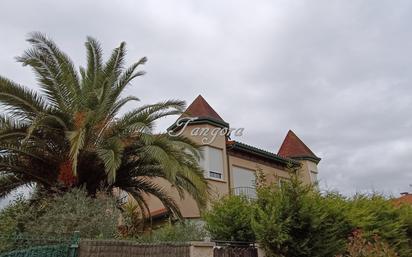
(313, 176)
(244, 182)
(212, 162)
(213, 174)
(283, 182)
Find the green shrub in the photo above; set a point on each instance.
(376, 215)
(405, 212)
(76, 211)
(179, 232)
(133, 223)
(230, 219)
(298, 221)
(295, 220)
(14, 217)
(360, 246)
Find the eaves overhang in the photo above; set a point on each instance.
(237, 146)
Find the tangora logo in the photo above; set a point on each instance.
(208, 135)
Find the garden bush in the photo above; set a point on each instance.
(298, 220)
(295, 220)
(230, 219)
(359, 246)
(405, 212)
(62, 214)
(14, 217)
(179, 232)
(94, 217)
(375, 215)
(133, 222)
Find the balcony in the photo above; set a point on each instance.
(249, 192)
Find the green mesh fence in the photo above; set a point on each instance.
(39, 246)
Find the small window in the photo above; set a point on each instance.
(313, 177)
(213, 174)
(212, 162)
(283, 182)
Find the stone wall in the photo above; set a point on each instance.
(119, 248)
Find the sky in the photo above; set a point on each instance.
(337, 73)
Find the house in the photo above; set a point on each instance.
(406, 198)
(230, 166)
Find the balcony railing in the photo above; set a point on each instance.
(249, 192)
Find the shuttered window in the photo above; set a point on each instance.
(212, 162)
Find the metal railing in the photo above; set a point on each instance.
(35, 245)
(233, 248)
(249, 192)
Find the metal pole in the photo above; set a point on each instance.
(74, 244)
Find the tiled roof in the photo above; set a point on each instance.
(258, 152)
(203, 113)
(404, 199)
(293, 147)
(158, 213)
(200, 108)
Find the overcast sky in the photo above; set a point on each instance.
(338, 73)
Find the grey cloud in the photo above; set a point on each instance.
(336, 72)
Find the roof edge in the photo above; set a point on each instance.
(307, 158)
(309, 155)
(262, 153)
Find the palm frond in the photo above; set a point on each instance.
(111, 155)
(13, 147)
(55, 71)
(176, 105)
(114, 65)
(76, 139)
(94, 62)
(20, 101)
(9, 183)
(126, 77)
(142, 119)
(9, 124)
(119, 104)
(27, 172)
(175, 161)
(74, 123)
(143, 186)
(143, 205)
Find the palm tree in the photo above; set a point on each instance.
(71, 135)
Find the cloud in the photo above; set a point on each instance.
(336, 72)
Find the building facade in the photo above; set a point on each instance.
(230, 166)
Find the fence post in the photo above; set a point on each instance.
(74, 244)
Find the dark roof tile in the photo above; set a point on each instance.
(293, 147)
(200, 108)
